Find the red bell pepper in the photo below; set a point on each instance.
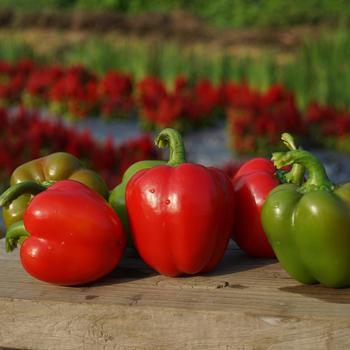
(71, 235)
(181, 214)
(252, 184)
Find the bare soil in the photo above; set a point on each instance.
(178, 25)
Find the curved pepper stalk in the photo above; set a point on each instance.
(27, 187)
(318, 178)
(296, 174)
(15, 235)
(171, 139)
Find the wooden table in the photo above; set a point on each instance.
(245, 304)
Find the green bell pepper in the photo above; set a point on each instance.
(51, 168)
(308, 225)
(117, 195)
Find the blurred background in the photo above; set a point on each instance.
(99, 78)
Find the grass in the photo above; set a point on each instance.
(13, 50)
(320, 70)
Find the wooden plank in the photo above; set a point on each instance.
(49, 325)
(245, 304)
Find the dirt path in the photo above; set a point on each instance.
(179, 26)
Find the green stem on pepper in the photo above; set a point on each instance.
(318, 179)
(17, 190)
(296, 174)
(15, 234)
(170, 138)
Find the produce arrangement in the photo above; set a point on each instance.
(179, 216)
(255, 119)
(174, 175)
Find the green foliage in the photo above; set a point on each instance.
(36, 5)
(261, 13)
(321, 70)
(11, 50)
(163, 60)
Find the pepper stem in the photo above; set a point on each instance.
(296, 174)
(17, 190)
(318, 179)
(172, 139)
(288, 140)
(15, 234)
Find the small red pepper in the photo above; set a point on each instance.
(70, 234)
(181, 214)
(252, 184)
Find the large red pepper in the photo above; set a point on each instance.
(71, 235)
(252, 184)
(181, 214)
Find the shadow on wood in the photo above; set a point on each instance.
(319, 292)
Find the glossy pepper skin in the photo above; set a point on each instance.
(117, 195)
(252, 183)
(51, 168)
(181, 214)
(71, 235)
(308, 225)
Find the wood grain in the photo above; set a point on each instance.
(245, 304)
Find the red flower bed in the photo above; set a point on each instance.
(182, 107)
(256, 120)
(328, 127)
(13, 78)
(75, 93)
(115, 95)
(25, 136)
(39, 84)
